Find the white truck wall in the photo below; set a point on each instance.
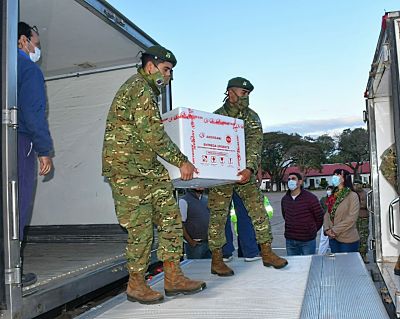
(77, 193)
(384, 139)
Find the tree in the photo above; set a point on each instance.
(275, 156)
(307, 155)
(327, 145)
(353, 148)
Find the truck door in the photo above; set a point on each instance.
(10, 277)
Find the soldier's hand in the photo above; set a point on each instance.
(187, 169)
(244, 176)
(45, 165)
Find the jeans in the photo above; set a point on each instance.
(338, 247)
(200, 251)
(248, 246)
(298, 247)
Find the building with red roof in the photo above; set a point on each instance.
(313, 177)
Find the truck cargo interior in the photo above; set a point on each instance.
(74, 243)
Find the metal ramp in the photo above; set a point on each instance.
(309, 287)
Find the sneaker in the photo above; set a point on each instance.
(250, 259)
(227, 259)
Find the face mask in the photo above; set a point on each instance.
(36, 55)
(335, 180)
(242, 102)
(292, 185)
(158, 79)
(329, 193)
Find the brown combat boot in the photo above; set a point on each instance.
(397, 267)
(269, 258)
(218, 267)
(176, 283)
(139, 291)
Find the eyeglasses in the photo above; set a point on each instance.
(35, 28)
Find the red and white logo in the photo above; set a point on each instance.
(202, 134)
(228, 139)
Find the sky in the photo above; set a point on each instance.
(308, 60)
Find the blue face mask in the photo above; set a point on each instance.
(292, 185)
(335, 180)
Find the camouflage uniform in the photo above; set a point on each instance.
(363, 231)
(220, 197)
(363, 218)
(140, 184)
(388, 166)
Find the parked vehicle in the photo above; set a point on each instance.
(383, 117)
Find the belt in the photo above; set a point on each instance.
(201, 240)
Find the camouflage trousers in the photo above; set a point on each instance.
(139, 203)
(363, 231)
(219, 199)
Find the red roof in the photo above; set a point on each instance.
(326, 170)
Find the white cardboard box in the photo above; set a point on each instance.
(213, 143)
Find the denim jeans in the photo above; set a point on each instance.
(247, 241)
(338, 247)
(200, 251)
(298, 247)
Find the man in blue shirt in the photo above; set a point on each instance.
(33, 130)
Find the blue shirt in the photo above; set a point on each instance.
(31, 102)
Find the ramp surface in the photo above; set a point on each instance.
(309, 287)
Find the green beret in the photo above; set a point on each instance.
(240, 83)
(161, 53)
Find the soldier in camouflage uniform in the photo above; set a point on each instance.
(236, 105)
(362, 220)
(140, 184)
(388, 168)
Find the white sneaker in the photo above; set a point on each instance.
(227, 260)
(250, 259)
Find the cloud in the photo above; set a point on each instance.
(330, 126)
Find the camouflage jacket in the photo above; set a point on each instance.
(135, 135)
(252, 130)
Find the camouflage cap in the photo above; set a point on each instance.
(240, 83)
(161, 53)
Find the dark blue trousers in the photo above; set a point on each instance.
(26, 181)
(339, 247)
(247, 241)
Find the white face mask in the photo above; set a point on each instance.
(292, 185)
(35, 56)
(329, 192)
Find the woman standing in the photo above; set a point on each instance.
(341, 217)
